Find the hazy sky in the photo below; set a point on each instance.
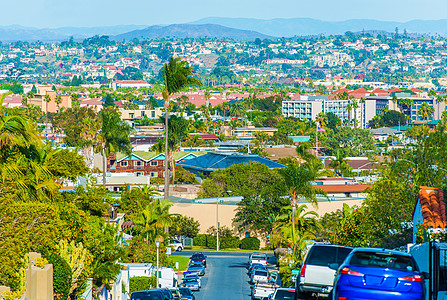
(81, 13)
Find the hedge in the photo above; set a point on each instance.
(250, 243)
(141, 283)
(61, 275)
(209, 241)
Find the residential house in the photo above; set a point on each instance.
(129, 83)
(205, 164)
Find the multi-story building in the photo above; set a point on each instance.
(308, 107)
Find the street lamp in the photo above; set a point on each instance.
(217, 217)
(157, 242)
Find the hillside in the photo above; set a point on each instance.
(192, 31)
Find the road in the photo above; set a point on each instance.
(226, 276)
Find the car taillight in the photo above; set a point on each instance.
(415, 277)
(342, 298)
(303, 271)
(254, 292)
(268, 278)
(348, 271)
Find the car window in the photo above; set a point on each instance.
(186, 292)
(196, 265)
(258, 257)
(325, 255)
(383, 260)
(284, 295)
(261, 273)
(147, 296)
(189, 280)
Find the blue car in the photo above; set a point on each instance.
(371, 273)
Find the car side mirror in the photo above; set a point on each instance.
(426, 275)
(333, 266)
(298, 265)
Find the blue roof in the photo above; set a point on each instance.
(214, 161)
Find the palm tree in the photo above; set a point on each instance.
(152, 220)
(298, 182)
(248, 103)
(177, 74)
(47, 100)
(58, 101)
(362, 110)
(114, 136)
(237, 109)
(293, 231)
(340, 165)
(426, 111)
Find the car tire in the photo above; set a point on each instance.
(179, 249)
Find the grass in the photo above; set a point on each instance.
(182, 261)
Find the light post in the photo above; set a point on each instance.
(217, 217)
(157, 242)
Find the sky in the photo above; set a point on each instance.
(91, 13)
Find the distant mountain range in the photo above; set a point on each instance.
(306, 26)
(192, 31)
(215, 27)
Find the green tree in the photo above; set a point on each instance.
(351, 141)
(114, 136)
(177, 74)
(426, 111)
(184, 226)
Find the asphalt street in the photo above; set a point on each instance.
(225, 278)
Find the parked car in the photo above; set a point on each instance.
(196, 268)
(316, 276)
(260, 276)
(191, 283)
(176, 245)
(195, 276)
(283, 294)
(262, 290)
(371, 273)
(198, 257)
(148, 295)
(259, 258)
(254, 267)
(186, 293)
(168, 294)
(175, 292)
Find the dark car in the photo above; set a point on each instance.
(186, 293)
(148, 295)
(371, 273)
(168, 294)
(198, 257)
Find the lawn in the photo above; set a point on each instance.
(182, 261)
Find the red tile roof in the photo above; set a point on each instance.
(432, 207)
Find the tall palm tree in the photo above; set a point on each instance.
(177, 74)
(298, 180)
(114, 136)
(58, 101)
(237, 109)
(47, 100)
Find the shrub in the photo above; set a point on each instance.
(211, 241)
(140, 283)
(230, 242)
(61, 276)
(250, 243)
(200, 240)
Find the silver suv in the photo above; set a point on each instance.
(318, 270)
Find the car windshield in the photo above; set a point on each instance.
(258, 257)
(193, 276)
(189, 280)
(325, 255)
(198, 256)
(261, 273)
(383, 260)
(147, 296)
(196, 265)
(185, 292)
(284, 295)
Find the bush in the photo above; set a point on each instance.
(250, 243)
(200, 240)
(141, 283)
(211, 241)
(230, 242)
(61, 276)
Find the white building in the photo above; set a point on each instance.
(129, 83)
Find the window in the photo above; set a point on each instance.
(143, 113)
(154, 174)
(154, 163)
(153, 114)
(139, 174)
(131, 115)
(138, 163)
(124, 164)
